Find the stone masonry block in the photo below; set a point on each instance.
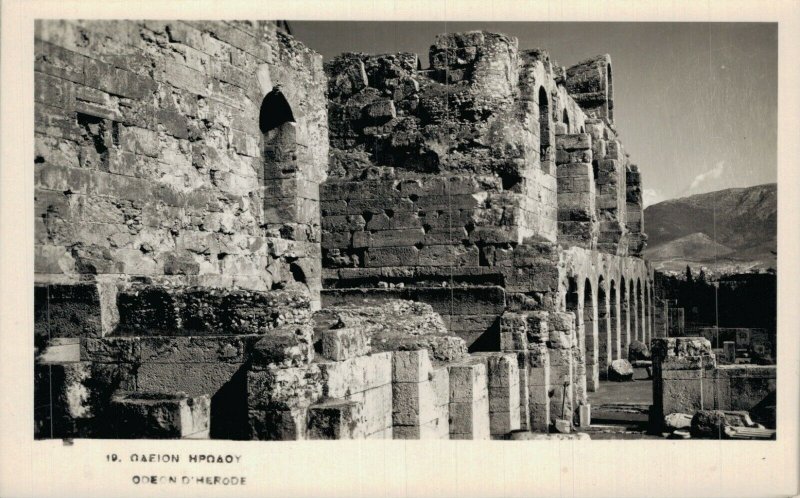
(159, 415)
(468, 380)
(286, 346)
(356, 374)
(343, 344)
(411, 366)
(470, 420)
(278, 425)
(413, 403)
(335, 419)
(376, 407)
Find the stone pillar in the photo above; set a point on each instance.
(653, 305)
(420, 397)
(469, 400)
(527, 334)
(609, 189)
(562, 365)
(625, 330)
(577, 219)
(605, 333)
(590, 84)
(634, 211)
(643, 313)
(615, 312)
(504, 391)
(591, 339)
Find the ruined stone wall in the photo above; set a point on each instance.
(687, 378)
(456, 184)
(185, 210)
(157, 158)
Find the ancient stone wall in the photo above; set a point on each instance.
(187, 201)
(186, 153)
(456, 185)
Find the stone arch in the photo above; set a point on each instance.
(545, 140)
(289, 199)
(604, 334)
(614, 314)
(624, 307)
(571, 298)
(590, 331)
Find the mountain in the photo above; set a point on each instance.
(727, 230)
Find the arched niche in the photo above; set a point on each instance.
(545, 140)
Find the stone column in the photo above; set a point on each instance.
(605, 333)
(577, 219)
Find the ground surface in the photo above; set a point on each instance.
(620, 409)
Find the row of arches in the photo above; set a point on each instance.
(610, 314)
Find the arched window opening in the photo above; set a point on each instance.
(565, 119)
(610, 93)
(572, 296)
(275, 111)
(544, 130)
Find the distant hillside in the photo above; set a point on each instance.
(682, 231)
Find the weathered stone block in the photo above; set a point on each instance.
(376, 408)
(160, 415)
(411, 366)
(70, 310)
(413, 403)
(335, 419)
(278, 424)
(283, 388)
(343, 344)
(356, 374)
(468, 380)
(286, 346)
(194, 379)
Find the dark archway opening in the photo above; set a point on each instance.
(610, 93)
(544, 130)
(275, 111)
